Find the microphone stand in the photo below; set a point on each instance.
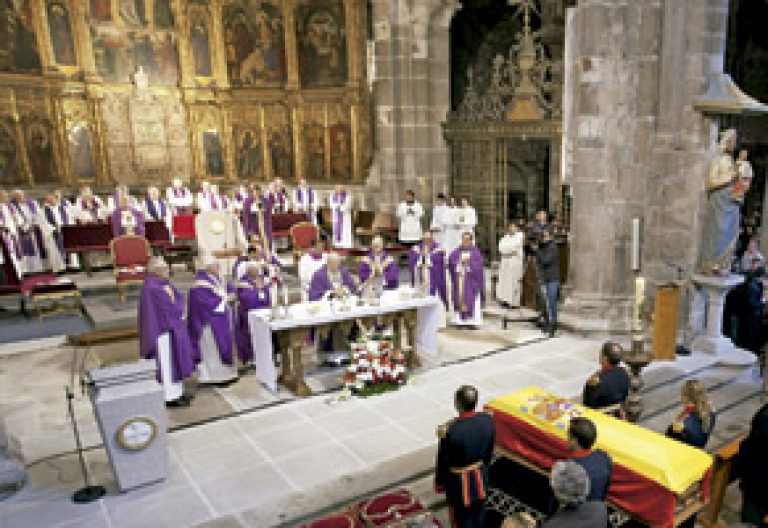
(87, 493)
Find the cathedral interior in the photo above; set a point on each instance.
(604, 113)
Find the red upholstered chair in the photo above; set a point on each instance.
(184, 227)
(384, 509)
(303, 236)
(130, 255)
(337, 520)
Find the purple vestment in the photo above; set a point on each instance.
(251, 220)
(203, 301)
(436, 256)
(309, 203)
(391, 271)
(321, 282)
(157, 210)
(338, 225)
(28, 234)
(250, 297)
(117, 222)
(474, 283)
(161, 310)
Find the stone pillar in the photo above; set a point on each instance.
(639, 147)
(412, 98)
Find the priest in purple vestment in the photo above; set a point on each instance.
(379, 263)
(257, 216)
(210, 320)
(25, 212)
(252, 294)
(270, 265)
(427, 264)
(163, 333)
(127, 220)
(468, 284)
(332, 281)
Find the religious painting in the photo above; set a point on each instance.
(250, 158)
(322, 43)
(341, 152)
(18, 46)
(112, 54)
(119, 53)
(61, 34)
(133, 13)
(213, 155)
(10, 168)
(162, 14)
(101, 10)
(314, 152)
(200, 42)
(281, 152)
(255, 43)
(37, 135)
(81, 152)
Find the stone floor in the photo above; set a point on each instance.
(271, 466)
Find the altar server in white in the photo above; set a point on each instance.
(452, 232)
(409, 211)
(203, 197)
(466, 218)
(309, 263)
(210, 319)
(439, 223)
(341, 216)
(509, 287)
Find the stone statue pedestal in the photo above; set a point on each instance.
(710, 339)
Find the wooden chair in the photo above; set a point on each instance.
(364, 224)
(303, 235)
(130, 256)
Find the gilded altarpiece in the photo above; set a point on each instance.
(141, 91)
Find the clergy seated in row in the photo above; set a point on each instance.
(582, 435)
(268, 263)
(309, 263)
(253, 293)
(468, 284)
(379, 265)
(88, 207)
(210, 321)
(179, 197)
(24, 212)
(609, 386)
(257, 216)
(341, 217)
(332, 281)
(53, 218)
(163, 333)
(156, 209)
(127, 220)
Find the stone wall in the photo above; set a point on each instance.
(412, 98)
(640, 149)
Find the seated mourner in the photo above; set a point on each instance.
(610, 385)
(582, 434)
(570, 484)
(696, 421)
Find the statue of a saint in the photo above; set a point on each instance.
(726, 186)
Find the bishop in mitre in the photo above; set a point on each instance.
(210, 320)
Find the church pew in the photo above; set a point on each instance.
(721, 477)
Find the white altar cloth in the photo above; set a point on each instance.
(261, 325)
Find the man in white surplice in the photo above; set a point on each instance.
(309, 263)
(341, 217)
(409, 211)
(210, 319)
(511, 267)
(439, 223)
(466, 218)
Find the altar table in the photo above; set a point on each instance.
(421, 316)
(658, 480)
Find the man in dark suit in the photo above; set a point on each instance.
(570, 484)
(463, 458)
(582, 434)
(610, 385)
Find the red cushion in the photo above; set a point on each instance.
(385, 508)
(337, 520)
(129, 251)
(184, 227)
(303, 235)
(29, 283)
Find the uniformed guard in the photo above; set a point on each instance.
(463, 457)
(610, 385)
(582, 434)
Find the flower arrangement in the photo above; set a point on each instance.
(376, 366)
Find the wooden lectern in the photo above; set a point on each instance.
(665, 315)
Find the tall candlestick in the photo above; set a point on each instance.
(636, 223)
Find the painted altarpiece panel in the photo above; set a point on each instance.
(322, 43)
(200, 39)
(11, 170)
(39, 143)
(279, 142)
(60, 28)
(18, 45)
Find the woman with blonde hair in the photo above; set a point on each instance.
(695, 422)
